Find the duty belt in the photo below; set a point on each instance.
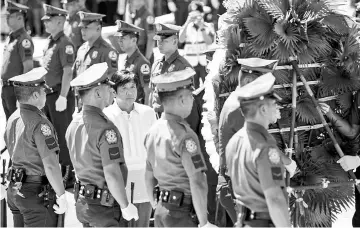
(6, 83)
(53, 89)
(92, 192)
(173, 197)
(19, 175)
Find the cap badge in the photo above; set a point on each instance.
(158, 27)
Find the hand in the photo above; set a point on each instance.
(61, 206)
(349, 162)
(325, 108)
(221, 183)
(291, 168)
(60, 104)
(207, 225)
(172, 7)
(215, 4)
(131, 212)
(3, 191)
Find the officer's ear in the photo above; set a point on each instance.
(97, 93)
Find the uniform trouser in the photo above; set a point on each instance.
(144, 211)
(356, 217)
(30, 211)
(167, 215)
(91, 213)
(61, 121)
(8, 100)
(200, 74)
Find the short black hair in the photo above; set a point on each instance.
(168, 96)
(23, 93)
(123, 77)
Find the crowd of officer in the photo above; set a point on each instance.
(59, 119)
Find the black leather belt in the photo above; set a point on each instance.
(33, 179)
(6, 83)
(173, 196)
(53, 89)
(258, 216)
(97, 195)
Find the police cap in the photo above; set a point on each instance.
(259, 89)
(258, 65)
(52, 11)
(175, 80)
(95, 75)
(124, 28)
(88, 18)
(163, 31)
(68, 1)
(33, 78)
(13, 7)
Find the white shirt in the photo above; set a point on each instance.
(133, 128)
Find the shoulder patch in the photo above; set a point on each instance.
(190, 145)
(26, 43)
(45, 130)
(113, 55)
(111, 136)
(69, 50)
(274, 156)
(145, 69)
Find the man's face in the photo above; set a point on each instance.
(71, 7)
(187, 102)
(126, 42)
(271, 111)
(167, 44)
(41, 99)
(107, 94)
(89, 31)
(51, 24)
(135, 5)
(12, 20)
(127, 93)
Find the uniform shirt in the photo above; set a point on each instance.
(195, 45)
(231, 120)
(18, 48)
(143, 19)
(173, 153)
(99, 52)
(174, 63)
(250, 148)
(94, 142)
(133, 127)
(140, 66)
(72, 29)
(59, 53)
(30, 137)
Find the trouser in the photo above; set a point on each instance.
(225, 196)
(182, 12)
(144, 211)
(200, 74)
(167, 215)
(61, 121)
(356, 217)
(91, 213)
(8, 100)
(30, 211)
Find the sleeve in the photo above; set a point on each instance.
(149, 154)
(112, 60)
(26, 49)
(111, 147)
(67, 54)
(144, 72)
(354, 114)
(191, 156)
(270, 168)
(45, 139)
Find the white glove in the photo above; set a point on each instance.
(207, 225)
(291, 168)
(325, 108)
(62, 204)
(349, 162)
(131, 212)
(3, 192)
(60, 104)
(215, 4)
(172, 6)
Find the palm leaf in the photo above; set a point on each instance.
(272, 8)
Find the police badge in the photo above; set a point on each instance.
(45, 130)
(190, 145)
(274, 156)
(111, 136)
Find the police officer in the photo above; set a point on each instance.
(172, 143)
(144, 19)
(95, 49)
(33, 147)
(135, 61)
(231, 120)
(17, 57)
(255, 163)
(96, 150)
(71, 26)
(59, 56)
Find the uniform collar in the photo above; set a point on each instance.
(172, 57)
(256, 127)
(17, 33)
(29, 107)
(98, 42)
(169, 116)
(55, 38)
(133, 56)
(90, 108)
(140, 11)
